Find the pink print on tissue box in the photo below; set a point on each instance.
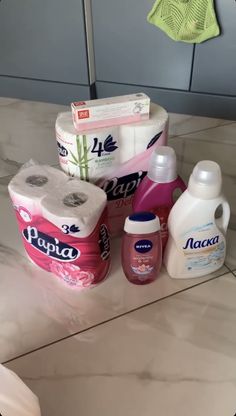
(58, 234)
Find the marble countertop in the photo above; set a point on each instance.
(120, 349)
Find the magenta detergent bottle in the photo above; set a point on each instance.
(141, 248)
(156, 191)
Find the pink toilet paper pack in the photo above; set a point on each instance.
(79, 262)
(115, 158)
(74, 244)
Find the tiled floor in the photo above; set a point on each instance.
(168, 347)
(175, 357)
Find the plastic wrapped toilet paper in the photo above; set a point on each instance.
(16, 399)
(114, 158)
(79, 205)
(30, 185)
(68, 234)
(87, 155)
(140, 134)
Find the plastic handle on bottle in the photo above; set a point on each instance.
(223, 221)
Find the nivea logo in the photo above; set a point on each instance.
(143, 246)
(104, 242)
(194, 244)
(50, 246)
(62, 150)
(124, 186)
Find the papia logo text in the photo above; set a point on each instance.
(194, 244)
(124, 186)
(104, 242)
(104, 148)
(50, 246)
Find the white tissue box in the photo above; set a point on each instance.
(110, 111)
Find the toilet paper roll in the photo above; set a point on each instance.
(30, 185)
(115, 158)
(87, 155)
(144, 134)
(94, 154)
(76, 208)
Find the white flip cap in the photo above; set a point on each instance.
(162, 165)
(206, 180)
(142, 223)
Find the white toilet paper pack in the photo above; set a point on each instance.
(89, 155)
(16, 399)
(31, 184)
(114, 158)
(63, 226)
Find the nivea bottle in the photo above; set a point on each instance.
(157, 189)
(141, 248)
(196, 244)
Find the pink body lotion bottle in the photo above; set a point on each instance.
(141, 248)
(156, 191)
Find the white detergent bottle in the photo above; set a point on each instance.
(196, 244)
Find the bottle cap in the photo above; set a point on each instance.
(162, 165)
(205, 180)
(142, 223)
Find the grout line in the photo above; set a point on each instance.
(206, 129)
(106, 321)
(230, 270)
(142, 86)
(155, 87)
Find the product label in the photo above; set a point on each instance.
(89, 156)
(50, 246)
(111, 108)
(78, 103)
(143, 246)
(104, 148)
(142, 259)
(62, 151)
(203, 248)
(79, 261)
(163, 214)
(104, 242)
(83, 114)
(194, 244)
(124, 186)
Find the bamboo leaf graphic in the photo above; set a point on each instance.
(73, 163)
(73, 156)
(82, 164)
(79, 151)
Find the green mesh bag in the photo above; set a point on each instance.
(192, 21)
